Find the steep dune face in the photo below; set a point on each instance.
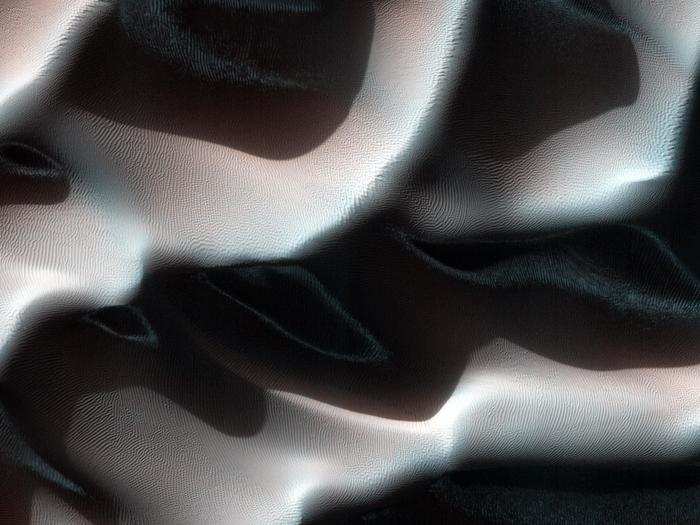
(273, 262)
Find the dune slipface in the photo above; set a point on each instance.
(373, 261)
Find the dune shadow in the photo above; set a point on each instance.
(275, 85)
(30, 176)
(604, 298)
(536, 68)
(145, 345)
